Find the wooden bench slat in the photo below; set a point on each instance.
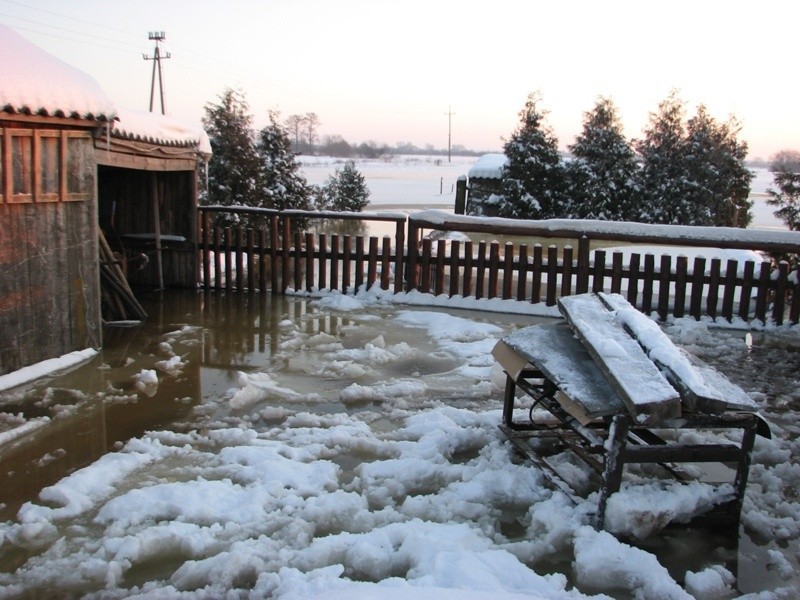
(700, 385)
(555, 351)
(645, 391)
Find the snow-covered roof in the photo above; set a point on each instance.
(488, 166)
(35, 82)
(155, 128)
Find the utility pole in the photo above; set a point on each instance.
(449, 114)
(157, 36)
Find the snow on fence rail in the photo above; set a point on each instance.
(235, 258)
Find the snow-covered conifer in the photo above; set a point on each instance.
(786, 177)
(346, 190)
(664, 174)
(280, 183)
(234, 166)
(533, 181)
(715, 162)
(602, 175)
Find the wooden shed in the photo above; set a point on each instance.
(147, 192)
(484, 185)
(49, 283)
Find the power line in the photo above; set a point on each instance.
(69, 39)
(104, 26)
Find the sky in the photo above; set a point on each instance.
(392, 71)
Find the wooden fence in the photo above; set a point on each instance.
(278, 258)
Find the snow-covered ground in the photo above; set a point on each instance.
(359, 457)
(417, 182)
(401, 181)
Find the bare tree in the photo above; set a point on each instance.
(785, 161)
(294, 123)
(311, 122)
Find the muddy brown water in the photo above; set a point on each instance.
(95, 408)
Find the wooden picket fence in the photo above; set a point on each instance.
(277, 257)
(558, 261)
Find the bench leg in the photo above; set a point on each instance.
(614, 464)
(508, 401)
(743, 467)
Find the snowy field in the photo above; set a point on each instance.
(357, 455)
(419, 182)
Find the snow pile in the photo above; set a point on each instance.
(34, 81)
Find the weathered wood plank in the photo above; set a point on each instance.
(555, 351)
(701, 387)
(645, 391)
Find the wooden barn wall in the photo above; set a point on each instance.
(125, 201)
(49, 287)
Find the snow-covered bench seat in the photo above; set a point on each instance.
(615, 385)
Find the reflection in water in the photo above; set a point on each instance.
(95, 407)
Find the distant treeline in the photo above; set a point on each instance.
(336, 145)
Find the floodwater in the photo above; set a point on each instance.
(97, 407)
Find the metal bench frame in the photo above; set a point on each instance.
(611, 399)
(629, 443)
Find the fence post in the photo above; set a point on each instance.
(412, 275)
(461, 195)
(323, 261)
(582, 282)
(425, 267)
(794, 310)
(664, 276)
(359, 262)
(649, 279)
(494, 262)
(206, 256)
(251, 260)
(309, 261)
(228, 265)
(781, 283)
(298, 263)
(696, 295)
(633, 278)
(441, 250)
(286, 258)
(385, 262)
(273, 253)
(713, 288)
(467, 279)
(372, 263)
(552, 274)
(508, 269)
(455, 252)
(399, 252)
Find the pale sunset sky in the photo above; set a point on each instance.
(389, 71)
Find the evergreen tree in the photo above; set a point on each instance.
(234, 167)
(280, 183)
(602, 176)
(786, 168)
(664, 174)
(534, 182)
(717, 161)
(346, 190)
